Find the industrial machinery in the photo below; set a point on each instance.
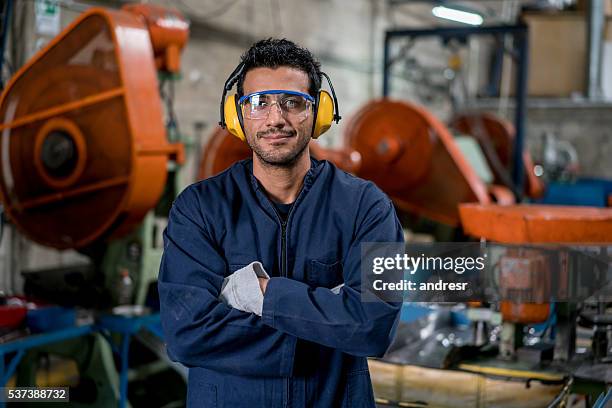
(549, 253)
(84, 147)
(495, 137)
(89, 164)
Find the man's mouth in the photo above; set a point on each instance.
(277, 135)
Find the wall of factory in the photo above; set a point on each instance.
(587, 129)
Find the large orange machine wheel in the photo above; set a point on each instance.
(82, 142)
(412, 156)
(221, 151)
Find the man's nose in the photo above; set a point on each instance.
(275, 116)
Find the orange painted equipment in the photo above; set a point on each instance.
(520, 224)
(83, 145)
(525, 273)
(496, 139)
(525, 223)
(221, 151)
(524, 313)
(413, 157)
(168, 31)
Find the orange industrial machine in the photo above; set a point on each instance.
(83, 144)
(84, 159)
(528, 268)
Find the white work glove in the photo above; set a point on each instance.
(241, 289)
(336, 290)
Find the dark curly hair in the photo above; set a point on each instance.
(274, 53)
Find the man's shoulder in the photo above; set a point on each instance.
(230, 178)
(217, 188)
(349, 185)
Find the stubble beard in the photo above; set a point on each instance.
(271, 158)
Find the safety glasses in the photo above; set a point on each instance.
(293, 104)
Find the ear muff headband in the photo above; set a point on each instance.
(325, 109)
(336, 116)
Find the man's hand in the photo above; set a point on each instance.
(263, 283)
(244, 289)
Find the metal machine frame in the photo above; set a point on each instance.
(521, 57)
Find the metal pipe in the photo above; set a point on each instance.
(456, 31)
(522, 49)
(8, 9)
(386, 65)
(596, 20)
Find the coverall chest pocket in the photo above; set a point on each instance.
(321, 274)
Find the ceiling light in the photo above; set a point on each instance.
(460, 16)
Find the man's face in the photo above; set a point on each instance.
(280, 139)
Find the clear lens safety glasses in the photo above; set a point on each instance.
(292, 104)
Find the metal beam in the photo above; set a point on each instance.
(595, 34)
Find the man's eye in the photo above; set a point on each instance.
(292, 103)
(260, 104)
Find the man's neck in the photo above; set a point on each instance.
(282, 184)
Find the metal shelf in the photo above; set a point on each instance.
(543, 103)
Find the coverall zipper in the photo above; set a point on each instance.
(284, 223)
(283, 266)
(284, 248)
(283, 272)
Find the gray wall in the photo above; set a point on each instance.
(589, 130)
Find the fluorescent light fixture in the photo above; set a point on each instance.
(457, 15)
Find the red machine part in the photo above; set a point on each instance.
(496, 139)
(412, 156)
(82, 140)
(525, 274)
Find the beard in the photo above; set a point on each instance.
(282, 156)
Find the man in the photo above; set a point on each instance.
(260, 278)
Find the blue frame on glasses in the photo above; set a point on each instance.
(276, 92)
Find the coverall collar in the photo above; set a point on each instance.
(315, 168)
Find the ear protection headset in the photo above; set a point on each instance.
(325, 108)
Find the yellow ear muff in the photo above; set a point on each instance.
(232, 120)
(325, 114)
